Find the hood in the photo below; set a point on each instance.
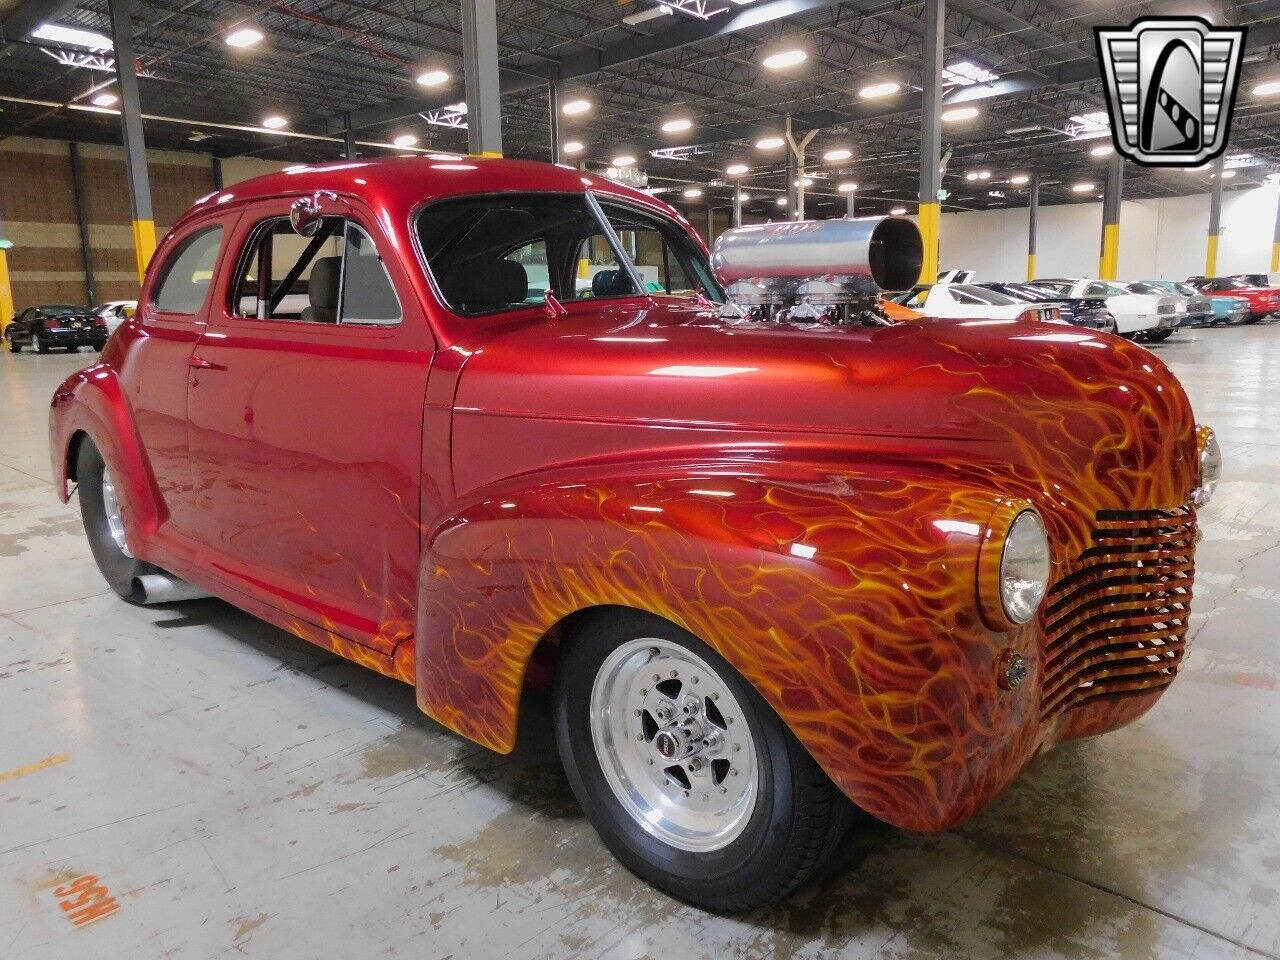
(1053, 410)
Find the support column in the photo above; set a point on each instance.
(1033, 216)
(6, 290)
(1109, 257)
(935, 12)
(1275, 240)
(217, 173)
(1215, 220)
(850, 203)
(737, 205)
(711, 224)
(348, 137)
(82, 220)
(793, 177)
(554, 97)
(480, 75)
(135, 146)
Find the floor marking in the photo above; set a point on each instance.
(39, 765)
(86, 900)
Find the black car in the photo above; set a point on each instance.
(56, 325)
(1089, 312)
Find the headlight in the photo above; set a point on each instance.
(1210, 469)
(1024, 567)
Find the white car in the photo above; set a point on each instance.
(115, 312)
(965, 301)
(1134, 312)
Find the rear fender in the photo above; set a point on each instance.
(92, 404)
(847, 599)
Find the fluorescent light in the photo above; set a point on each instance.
(784, 59)
(847, 187)
(678, 125)
(984, 174)
(405, 140)
(781, 201)
(691, 193)
(1268, 88)
(743, 196)
(770, 143)
(433, 78)
(885, 89)
(651, 14)
(835, 156)
(275, 122)
(71, 36)
(1228, 174)
(573, 146)
(959, 113)
(971, 175)
(806, 182)
(897, 211)
(737, 169)
(105, 99)
(244, 37)
(1082, 187)
(622, 160)
(1105, 150)
(1020, 179)
(966, 74)
(575, 107)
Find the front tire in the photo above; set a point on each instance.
(39, 342)
(101, 511)
(1159, 336)
(685, 772)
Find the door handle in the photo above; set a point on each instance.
(199, 363)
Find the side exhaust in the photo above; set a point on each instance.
(162, 588)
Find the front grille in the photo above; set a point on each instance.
(1116, 623)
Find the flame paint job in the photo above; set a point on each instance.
(811, 502)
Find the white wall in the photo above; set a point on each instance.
(1158, 238)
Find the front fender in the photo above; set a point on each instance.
(92, 402)
(848, 599)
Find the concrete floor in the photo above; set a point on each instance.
(243, 794)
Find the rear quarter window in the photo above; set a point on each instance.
(187, 274)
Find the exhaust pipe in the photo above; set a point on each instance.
(162, 588)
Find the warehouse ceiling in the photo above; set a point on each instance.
(1028, 67)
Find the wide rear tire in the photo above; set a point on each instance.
(740, 822)
(101, 511)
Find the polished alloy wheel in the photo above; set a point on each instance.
(111, 506)
(673, 744)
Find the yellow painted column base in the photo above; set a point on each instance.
(144, 244)
(930, 222)
(1031, 266)
(495, 154)
(6, 292)
(1109, 262)
(1275, 257)
(1211, 257)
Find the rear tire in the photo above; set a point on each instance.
(100, 509)
(748, 824)
(1159, 336)
(14, 345)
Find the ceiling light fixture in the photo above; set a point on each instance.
(575, 107)
(781, 201)
(897, 211)
(71, 36)
(837, 155)
(405, 140)
(784, 59)
(678, 125)
(1228, 174)
(1103, 150)
(275, 122)
(573, 146)
(1020, 179)
(956, 114)
(984, 174)
(743, 196)
(971, 175)
(737, 169)
(847, 187)
(433, 78)
(1082, 187)
(105, 99)
(874, 90)
(622, 160)
(244, 37)
(1268, 88)
(770, 143)
(692, 193)
(645, 15)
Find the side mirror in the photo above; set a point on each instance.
(305, 214)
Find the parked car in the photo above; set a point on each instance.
(1135, 313)
(1263, 301)
(1229, 310)
(1077, 311)
(767, 569)
(115, 312)
(966, 301)
(1194, 307)
(55, 325)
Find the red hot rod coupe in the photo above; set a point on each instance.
(450, 416)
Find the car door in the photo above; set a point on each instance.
(306, 404)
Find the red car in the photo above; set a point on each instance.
(1263, 301)
(480, 424)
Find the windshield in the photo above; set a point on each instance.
(974, 295)
(61, 310)
(508, 251)
(1144, 288)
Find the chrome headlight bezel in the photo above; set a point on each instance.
(1014, 566)
(1209, 468)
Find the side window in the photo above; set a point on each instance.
(533, 258)
(667, 259)
(968, 299)
(917, 299)
(1095, 290)
(333, 276)
(185, 280)
(599, 274)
